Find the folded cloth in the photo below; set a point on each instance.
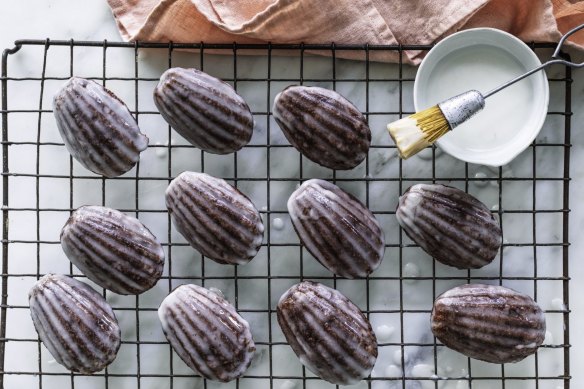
(387, 22)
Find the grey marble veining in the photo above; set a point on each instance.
(384, 295)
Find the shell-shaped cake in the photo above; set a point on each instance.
(112, 249)
(215, 218)
(75, 323)
(449, 224)
(207, 333)
(491, 323)
(323, 125)
(204, 110)
(337, 229)
(328, 333)
(98, 129)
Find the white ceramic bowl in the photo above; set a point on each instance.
(482, 59)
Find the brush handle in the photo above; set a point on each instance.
(459, 109)
(555, 60)
(521, 77)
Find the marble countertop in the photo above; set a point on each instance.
(92, 20)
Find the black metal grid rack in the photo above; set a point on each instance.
(402, 179)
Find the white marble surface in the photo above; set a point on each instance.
(91, 20)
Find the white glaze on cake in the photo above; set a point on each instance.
(114, 250)
(215, 218)
(449, 224)
(488, 322)
(75, 323)
(98, 129)
(329, 334)
(337, 229)
(207, 333)
(204, 110)
(323, 125)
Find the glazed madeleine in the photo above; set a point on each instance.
(449, 224)
(207, 333)
(114, 250)
(75, 323)
(204, 110)
(328, 333)
(323, 125)
(491, 323)
(215, 218)
(337, 229)
(98, 129)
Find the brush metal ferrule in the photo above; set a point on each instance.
(459, 109)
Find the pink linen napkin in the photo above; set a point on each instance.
(342, 21)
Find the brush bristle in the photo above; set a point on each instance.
(418, 131)
(432, 122)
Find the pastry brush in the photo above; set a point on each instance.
(414, 133)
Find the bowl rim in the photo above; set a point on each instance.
(487, 158)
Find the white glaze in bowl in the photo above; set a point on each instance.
(482, 59)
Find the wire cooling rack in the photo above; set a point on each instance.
(28, 253)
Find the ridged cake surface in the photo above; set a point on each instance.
(323, 125)
(449, 224)
(215, 218)
(337, 229)
(328, 333)
(204, 110)
(75, 323)
(487, 322)
(98, 129)
(207, 333)
(114, 250)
